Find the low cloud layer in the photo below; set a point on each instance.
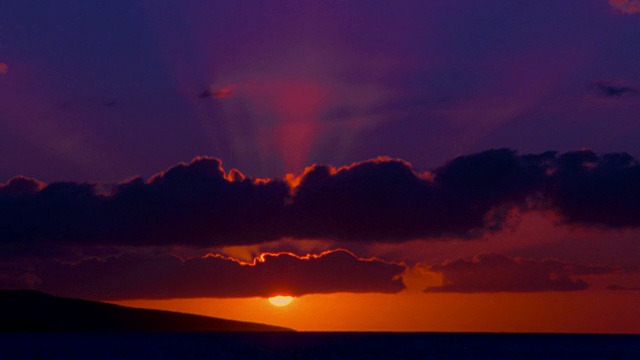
(499, 273)
(200, 204)
(144, 276)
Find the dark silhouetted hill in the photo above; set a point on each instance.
(27, 310)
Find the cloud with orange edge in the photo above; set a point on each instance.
(385, 200)
(165, 276)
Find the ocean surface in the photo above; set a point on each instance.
(316, 346)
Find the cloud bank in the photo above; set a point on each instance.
(200, 204)
(146, 276)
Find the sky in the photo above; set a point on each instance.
(394, 166)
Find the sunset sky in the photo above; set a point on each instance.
(392, 165)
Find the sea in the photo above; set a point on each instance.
(309, 345)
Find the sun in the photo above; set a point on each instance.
(280, 300)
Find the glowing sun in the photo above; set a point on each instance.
(281, 300)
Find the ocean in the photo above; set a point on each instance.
(308, 345)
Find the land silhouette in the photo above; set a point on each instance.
(28, 310)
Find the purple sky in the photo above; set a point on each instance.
(102, 92)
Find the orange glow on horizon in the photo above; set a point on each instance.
(3, 68)
(280, 300)
(577, 312)
(592, 312)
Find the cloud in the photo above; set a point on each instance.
(595, 190)
(197, 204)
(626, 6)
(20, 186)
(201, 205)
(144, 276)
(386, 200)
(613, 88)
(216, 92)
(499, 273)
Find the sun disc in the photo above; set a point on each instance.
(280, 300)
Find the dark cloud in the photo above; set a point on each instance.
(613, 88)
(206, 94)
(200, 204)
(499, 273)
(386, 200)
(194, 204)
(20, 186)
(596, 190)
(143, 276)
